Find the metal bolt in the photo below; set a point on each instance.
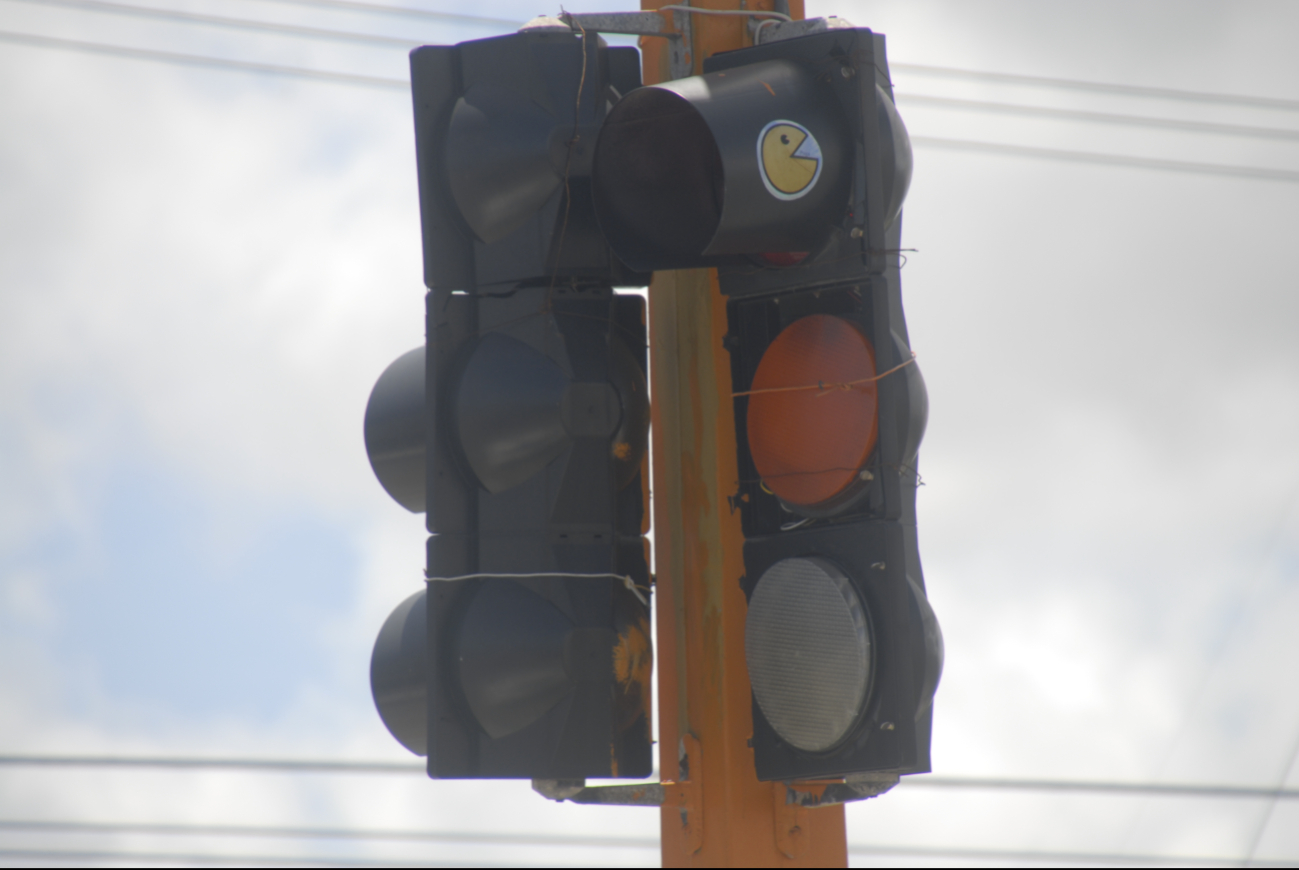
(846, 71)
(878, 566)
(886, 726)
(865, 475)
(856, 232)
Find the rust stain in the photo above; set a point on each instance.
(621, 450)
(769, 90)
(633, 658)
(633, 668)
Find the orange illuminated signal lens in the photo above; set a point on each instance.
(813, 410)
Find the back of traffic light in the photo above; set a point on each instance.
(505, 131)
(520, 429)
(786, 165)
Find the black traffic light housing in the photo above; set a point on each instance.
(785, 166)
(521, 429)
(536, 469)
(505, 129)
(866, 533)
(528, 655)
(682, 168)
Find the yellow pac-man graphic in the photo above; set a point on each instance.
(790, 159)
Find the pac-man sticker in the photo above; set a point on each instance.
(789, 159)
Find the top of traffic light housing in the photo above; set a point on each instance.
(504, 130)
(782, 166)
(542, 159)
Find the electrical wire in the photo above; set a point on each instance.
(110, 8)
(855, 849)
(1271, 806)
(923, 69)
(503, 839)
(751, 13)
(380, 8)
(1217, 169)
(1100, 117)
(259, 765)
(268, 765)
(300, 833)
(195, 60)
(83, 856)
(1002, 856)
(1102, 87)
(1149, 789)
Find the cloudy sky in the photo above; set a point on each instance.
(202, 272)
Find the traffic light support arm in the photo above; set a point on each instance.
(764, 26)
(680, 55)
(656, 794)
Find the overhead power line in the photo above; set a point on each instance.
(84, 856)
(1100, 117)
(1115, 788)
(995, 855)
(267, 765)
(299, 833)
(506, 839)
(1003, 856)
(195, 60)
(107, 6)
(294, 30)
(379, 8)
(1217, 169)
(274, 765)
(1102, 87)
(924, 69)
(192, 60)
(156, 14)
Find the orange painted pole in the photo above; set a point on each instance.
(717, 813)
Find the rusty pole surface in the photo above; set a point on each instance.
(716, 812)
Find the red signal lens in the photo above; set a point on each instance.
(813, 415)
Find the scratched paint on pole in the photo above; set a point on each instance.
(717, 812)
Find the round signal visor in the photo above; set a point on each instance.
(813, 415)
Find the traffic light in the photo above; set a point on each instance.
(784, 166)
(505, 130)
(520, 428)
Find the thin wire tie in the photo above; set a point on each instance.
(824, 387)
(631, 584)
(752, 13)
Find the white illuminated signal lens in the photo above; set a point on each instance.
(807, 642)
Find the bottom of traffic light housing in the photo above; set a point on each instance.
(844, 653)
